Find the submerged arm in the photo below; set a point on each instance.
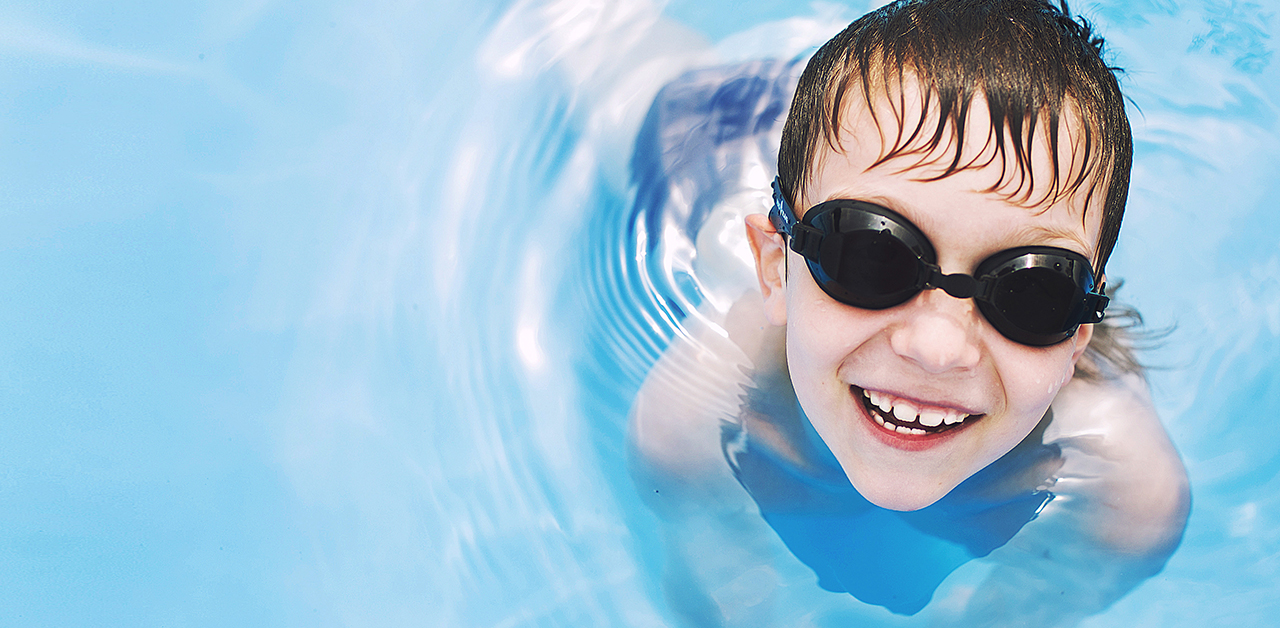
(1121, 507)
(718, 550)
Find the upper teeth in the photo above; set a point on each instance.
(906, 412)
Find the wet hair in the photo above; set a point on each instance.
(1036, 65)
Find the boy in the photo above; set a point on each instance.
(919, 380)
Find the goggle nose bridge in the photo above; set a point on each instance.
(958, 285)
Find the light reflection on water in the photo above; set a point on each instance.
(335, 312)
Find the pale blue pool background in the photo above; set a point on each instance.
(317, 314)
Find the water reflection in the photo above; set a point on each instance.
(331, 314)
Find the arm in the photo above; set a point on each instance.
(675, 422)
(718, 550)
(1121, 507)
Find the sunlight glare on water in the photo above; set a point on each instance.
(332, 314)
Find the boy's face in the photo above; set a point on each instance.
(934, 353)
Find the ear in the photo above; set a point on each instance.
(1084, 334)
(770, 252)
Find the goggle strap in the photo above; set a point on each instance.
(779, 221)
(781, 215)
(806, 241)
(1095, 304)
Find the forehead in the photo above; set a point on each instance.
(899, 139)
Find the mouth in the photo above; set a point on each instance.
(911, 419)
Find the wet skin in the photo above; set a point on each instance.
(1121, 492)
(934, 356)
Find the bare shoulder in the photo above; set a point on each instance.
(1120, 507)
(677, 419)
(1120, 465)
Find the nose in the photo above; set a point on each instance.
(938, 333)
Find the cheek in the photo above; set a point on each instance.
(808, 359)
(1033, 377)
(821, 335)
(806, 321)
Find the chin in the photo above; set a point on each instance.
(901, 497)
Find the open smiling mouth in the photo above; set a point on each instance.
(908, 419)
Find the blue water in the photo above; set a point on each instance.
(329, 313)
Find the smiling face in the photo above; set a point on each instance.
(933, 361)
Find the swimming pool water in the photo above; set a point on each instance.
(330, 313)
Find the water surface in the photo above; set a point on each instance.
(329, 313)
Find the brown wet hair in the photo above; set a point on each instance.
(1036, 66)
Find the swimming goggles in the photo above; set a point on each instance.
(868, 256)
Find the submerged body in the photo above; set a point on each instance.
(1068, 487)
(1083, 509)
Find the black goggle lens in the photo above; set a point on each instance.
(872, 269)
(1038, 298)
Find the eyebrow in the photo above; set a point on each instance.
(1054, 232)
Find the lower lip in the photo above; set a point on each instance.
(905, 442)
